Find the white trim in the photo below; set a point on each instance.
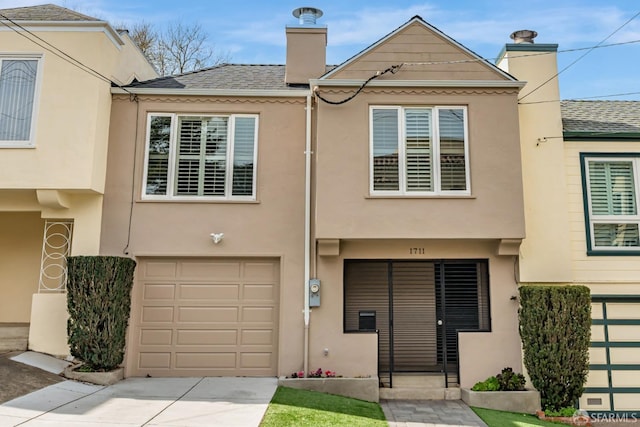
(68, 26)
(419, 83)
(172, 165)
(215, 92)
(429, 27)
(435, 131)
(39, 58)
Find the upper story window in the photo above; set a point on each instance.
(210, 156)
(612, 186)
(18, 78)
(419, 151)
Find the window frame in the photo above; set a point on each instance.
(31, 141)
(402, 152)
(173, 158)
(591, 219)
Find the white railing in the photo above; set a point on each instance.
(56, 247)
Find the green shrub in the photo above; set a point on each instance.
(99, 302)
(510, 381)
(490, 384)
(562, 412)
(555, 327)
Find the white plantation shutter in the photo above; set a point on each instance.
(612, 188)
(202, 156)
(453, 175)
(243, 156)
(418, 149)
(613, 200)
(17, 90)
(385, 150)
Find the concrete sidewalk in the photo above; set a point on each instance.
(144, 401)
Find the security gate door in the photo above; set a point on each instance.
(418, 308)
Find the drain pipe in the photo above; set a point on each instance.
(307, 233)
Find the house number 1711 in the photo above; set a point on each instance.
(416, 251)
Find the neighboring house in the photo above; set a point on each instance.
(56, 71)
(581, 173)
(405, 203)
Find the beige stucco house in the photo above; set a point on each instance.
(581, 175)
(277, 228)
(56, 71)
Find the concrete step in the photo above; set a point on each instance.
(418, 381)
(438, 393)
(14, 336)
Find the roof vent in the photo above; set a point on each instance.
(523, 36)
(307, 15)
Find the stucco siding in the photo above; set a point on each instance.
(589, 268)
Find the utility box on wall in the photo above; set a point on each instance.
(314, 293)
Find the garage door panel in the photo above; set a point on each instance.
(154, 360)
(624, 355)
(259, 271)
(263, 292)
(258, 314)
(257, 337)
(255, 360)
(156, 291)
(160, 269)
(153, 314)
(207, 337)
(207, 317)
(205, 360)
(156, 336)
(223, 271)
(200, 291)
(207, 314)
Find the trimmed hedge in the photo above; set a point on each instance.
(555, 327)
(99, 303)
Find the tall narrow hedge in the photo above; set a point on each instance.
(99, 303)
(555, 327)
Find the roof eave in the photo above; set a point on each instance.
(263, 93)
(600, 136)
(420, 83)
(59, 25)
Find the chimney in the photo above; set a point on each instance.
(523, 36)
(306, 47)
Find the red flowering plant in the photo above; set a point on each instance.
(318, 373)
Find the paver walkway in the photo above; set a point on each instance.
(429, 413)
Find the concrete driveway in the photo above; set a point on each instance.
(144, 402)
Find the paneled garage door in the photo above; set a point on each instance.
(613, 385)
(204, 317)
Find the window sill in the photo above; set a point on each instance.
(613, 252)
(200, 201)
(16, 145)
(409, 196)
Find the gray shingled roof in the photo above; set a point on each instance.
(45, 12)
(601, 116)
(225, 76)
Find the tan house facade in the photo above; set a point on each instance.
(581, 175)
(278, 229)
(56, 71)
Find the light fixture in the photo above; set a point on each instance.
(217, 237)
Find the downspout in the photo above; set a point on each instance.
(307, 233)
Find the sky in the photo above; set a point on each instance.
(253, 31)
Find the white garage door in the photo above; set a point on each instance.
(204, 317)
